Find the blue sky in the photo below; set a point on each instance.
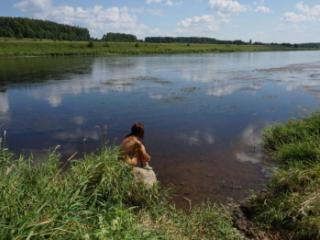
(259, 20)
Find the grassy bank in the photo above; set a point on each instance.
(95, 199)
(291, 205)
(13, 47)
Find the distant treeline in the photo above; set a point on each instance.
(16, 27)
(119, 37)
(203, 40)
(32, 28)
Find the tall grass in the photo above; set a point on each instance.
(291, 204)
(95, 199)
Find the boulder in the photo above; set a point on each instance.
(146, 176)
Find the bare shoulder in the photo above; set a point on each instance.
(130, 140)
(130, 143)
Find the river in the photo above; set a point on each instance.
(203, 113)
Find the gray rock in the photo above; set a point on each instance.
(146, 176)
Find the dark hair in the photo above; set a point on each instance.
(137, 130)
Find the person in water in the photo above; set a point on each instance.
(133, 149)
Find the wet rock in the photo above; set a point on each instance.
(146, 176)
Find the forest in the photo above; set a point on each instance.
(15, 27)
(204, 40)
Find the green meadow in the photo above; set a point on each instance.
(30, 47)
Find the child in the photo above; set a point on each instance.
(133, 149)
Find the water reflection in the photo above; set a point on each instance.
(4, 109)
(197, 137)
(4, 103)
(203, 113)
(249, 145)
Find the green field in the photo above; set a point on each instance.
(13, 47)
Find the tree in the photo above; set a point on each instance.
(32, 28)
(119, 37)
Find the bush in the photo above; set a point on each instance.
(90, 44)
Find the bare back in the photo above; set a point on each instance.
(134, 151)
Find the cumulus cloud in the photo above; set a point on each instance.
(231, 6)
(165, 2)
(198, 25)
(305, 13)
(207, 19)
(97, 18)
(262, 9)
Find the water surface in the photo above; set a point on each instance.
(203, 113)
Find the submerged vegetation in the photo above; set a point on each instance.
(291, 204)
(95, 198)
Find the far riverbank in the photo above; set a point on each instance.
(30, 47)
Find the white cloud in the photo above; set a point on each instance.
(262, 9)
(165, 2)
(305, 13)
(196, 20)
(97, 18)
(231, 6)
(153, 1)
(33, 5)
(198, 25)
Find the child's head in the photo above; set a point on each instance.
(137, 130)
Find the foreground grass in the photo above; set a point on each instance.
(291, 205)
(95, 199)
(13, 47)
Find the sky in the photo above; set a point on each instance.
(257, 20)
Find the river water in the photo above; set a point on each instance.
(203, 113)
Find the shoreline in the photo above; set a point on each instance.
(275, 213)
